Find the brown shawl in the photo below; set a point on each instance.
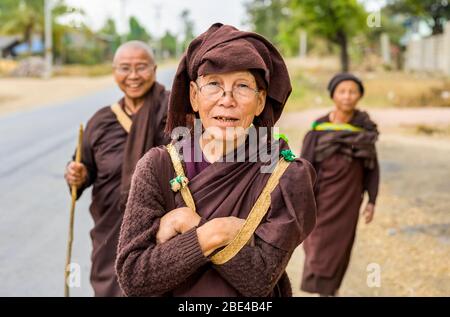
(351, 144)
(319, 145)
(178, 267)
(146, 132)
(283, 226)
(223, 48)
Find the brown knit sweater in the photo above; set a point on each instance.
(145, 268)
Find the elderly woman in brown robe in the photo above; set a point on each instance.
(116, 137)
(341, 146)
(209, 243)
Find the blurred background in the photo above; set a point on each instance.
(55, 72)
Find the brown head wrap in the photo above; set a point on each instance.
(221, 49)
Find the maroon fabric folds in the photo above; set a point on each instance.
(146, 132)
(285, 227)
(178, 267)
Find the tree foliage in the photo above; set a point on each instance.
(169, 44)
(265, 17)
(137, 31)
(337, 21)
(26, 17)
(434, 12)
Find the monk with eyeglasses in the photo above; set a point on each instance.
(116, 137)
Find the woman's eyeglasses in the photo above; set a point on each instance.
(213, 91)
(125, 70)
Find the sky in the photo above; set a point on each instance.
(203, 13)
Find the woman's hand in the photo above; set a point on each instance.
(76, 174)
(368, 213)
(218, 232)
(175, 222)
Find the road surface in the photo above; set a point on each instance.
(34, 199)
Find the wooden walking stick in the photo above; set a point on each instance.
(72, 213)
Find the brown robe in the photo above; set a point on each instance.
(339, 192)
(178, 267)
(110, 154)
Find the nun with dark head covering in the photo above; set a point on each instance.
(341, 146)
(210, 214)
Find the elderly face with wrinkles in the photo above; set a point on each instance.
(226, 101)
(134, 71)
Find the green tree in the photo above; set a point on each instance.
(109, 30)
(137, 31)
(434, 12)
(26, 17)
(83, 46)
(169, 44)
(337, 21)
(265, 17)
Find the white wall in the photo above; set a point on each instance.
(430, 54)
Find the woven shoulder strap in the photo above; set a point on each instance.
(185, 192)
(121, 116)
(255, 216)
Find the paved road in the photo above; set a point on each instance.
(34, 199)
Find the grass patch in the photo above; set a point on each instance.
(397, 89)
(309, 79)
(83, 70)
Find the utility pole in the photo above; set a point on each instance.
(48, 39)
(303, 47)
(123, 18)
(158, 26)
(385, 48)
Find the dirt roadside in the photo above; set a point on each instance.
(409, 239)
(18, 94)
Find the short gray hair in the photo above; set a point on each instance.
(134, 45)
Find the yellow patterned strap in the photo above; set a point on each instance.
(185, 192)
(254, 218)
(121, 116)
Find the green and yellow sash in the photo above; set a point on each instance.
(328, 126)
